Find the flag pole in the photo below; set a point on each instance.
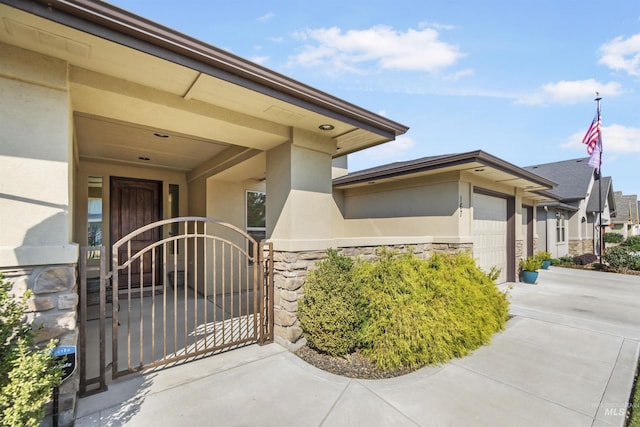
(600, 237)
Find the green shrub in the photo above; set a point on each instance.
(420, 312)
(613, 238)
(566, 260)
(632, 241)
(622, 258)
(330, 313)
(27, 375)
(556, 261)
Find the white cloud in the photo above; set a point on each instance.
(460, 74)
(622, 54)
(357, 50)
(616, 139)
(266, 17)
(570, 92)
(382, 154)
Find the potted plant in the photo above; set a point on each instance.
(545, 257)
(529, 267)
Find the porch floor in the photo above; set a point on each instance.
(165, 328)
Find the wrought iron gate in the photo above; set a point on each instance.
(205, 287)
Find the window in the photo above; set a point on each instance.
(94, 214)
(560, 229)
(256, 214)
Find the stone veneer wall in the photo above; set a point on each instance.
(519, 250)
(52, 310)
(579, 247)
(290, 272)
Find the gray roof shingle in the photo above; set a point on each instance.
(627, 207)
(572, 176)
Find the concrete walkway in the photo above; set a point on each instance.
(567, 358)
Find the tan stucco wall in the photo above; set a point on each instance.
(340, 167)
(415, 207)
(36, 158)
(226, 201)
(300, 205)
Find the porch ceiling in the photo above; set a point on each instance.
(122, 96)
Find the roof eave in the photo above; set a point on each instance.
(441, 162)
(237, 69)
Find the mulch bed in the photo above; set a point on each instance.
(354, 365)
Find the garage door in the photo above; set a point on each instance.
(490, 233)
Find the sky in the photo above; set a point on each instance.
(514, 78)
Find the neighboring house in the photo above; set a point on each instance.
(570, 224)
(469, 201)
(110, 121)
(636, 227)
(626, 220)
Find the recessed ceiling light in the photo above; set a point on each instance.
(161, 135)
(144, 158)
(326, 126)
(479, 170)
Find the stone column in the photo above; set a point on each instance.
(52, 310)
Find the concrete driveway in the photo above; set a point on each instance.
(566, 358)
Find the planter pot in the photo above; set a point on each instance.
(529, 276)
(545, 264)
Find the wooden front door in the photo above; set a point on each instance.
(134, 204)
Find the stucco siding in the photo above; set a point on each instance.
(36, 155)
(436, 200)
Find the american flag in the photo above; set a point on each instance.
(593, 139)
(593, 134)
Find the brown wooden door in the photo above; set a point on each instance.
(134, 204)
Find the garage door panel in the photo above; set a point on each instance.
(490, 233)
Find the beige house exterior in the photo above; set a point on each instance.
(626, 220)
(91, 94)
(96, 102)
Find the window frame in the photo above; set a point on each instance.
(253, 230)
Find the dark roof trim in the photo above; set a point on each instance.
(109, 22)
(559, 205)
(433, 163)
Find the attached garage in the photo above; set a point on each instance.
(454, 202)
(493, 239)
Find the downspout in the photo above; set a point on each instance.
(546, 229)
(593, 238)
